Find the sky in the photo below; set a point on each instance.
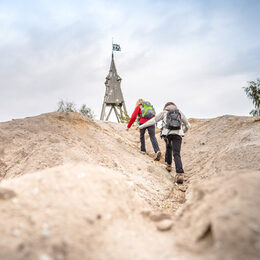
(198, 54)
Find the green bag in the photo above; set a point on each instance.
(147, 110)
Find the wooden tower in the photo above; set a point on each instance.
(113, 96)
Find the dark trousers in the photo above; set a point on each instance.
(173, 148)
(151, 131)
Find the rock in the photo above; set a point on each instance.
(159, 217)
(16, 232)
(146, 213)
(151, 169)
(44, 257)
(90, 220)
(20, 247)
(164, 225)
(6, 194)
(182, 188)
(255, 228)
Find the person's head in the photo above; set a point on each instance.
(139, 101)
(169, 104)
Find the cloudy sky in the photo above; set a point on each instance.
(198, 54)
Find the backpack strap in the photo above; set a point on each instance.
(139, 115)
(163, 126)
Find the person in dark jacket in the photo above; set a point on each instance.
(173, 139)
(151, 130)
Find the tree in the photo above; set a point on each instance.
(253, 93)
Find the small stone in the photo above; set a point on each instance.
(90, 221)
(20, 247)
(15, 200)
(16, 232)
(159, 217)
(146, 213)
(164, 225)
(6, 194)
(182, 188)
(45, 233)
(255, 228)
(44, 257)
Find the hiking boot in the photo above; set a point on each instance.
(157, 156)
(142, 152)
(169, 167)
(179, 178)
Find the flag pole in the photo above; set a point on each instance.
(112, 47)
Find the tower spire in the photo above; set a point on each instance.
(113, 95)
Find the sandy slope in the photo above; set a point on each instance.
(90, 194)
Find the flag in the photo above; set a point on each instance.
(116, 47)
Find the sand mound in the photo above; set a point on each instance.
(72, 211)
(222, 215)
(73, 188)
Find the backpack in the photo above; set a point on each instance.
(173, 120)
(147, 110)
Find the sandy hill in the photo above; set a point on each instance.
(72, 188)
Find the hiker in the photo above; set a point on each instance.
(145, 111)
(172, 132)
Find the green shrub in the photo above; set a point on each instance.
(86, 111)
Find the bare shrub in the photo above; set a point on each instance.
(66, 107)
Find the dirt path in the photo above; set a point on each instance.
(76, 189)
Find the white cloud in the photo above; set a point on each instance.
(198, 57)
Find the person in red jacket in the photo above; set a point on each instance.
(151, 130)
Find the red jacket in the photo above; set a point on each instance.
(137, 112)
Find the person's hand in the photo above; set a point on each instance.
(126, 128)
